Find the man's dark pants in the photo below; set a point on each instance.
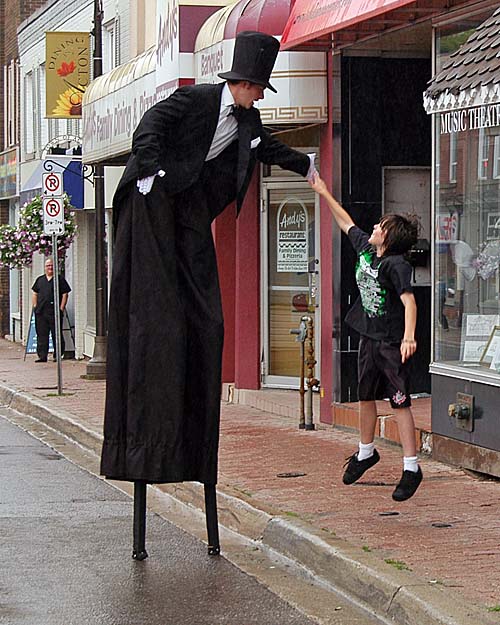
(45, 323)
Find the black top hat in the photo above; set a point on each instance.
(253, 58)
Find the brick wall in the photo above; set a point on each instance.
(12, 13)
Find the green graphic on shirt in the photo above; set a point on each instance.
(373, 295)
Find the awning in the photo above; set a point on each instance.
(299, 77)
(471, 75)
(312, 23)
(114, 103)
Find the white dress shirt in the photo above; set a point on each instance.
(227, 126)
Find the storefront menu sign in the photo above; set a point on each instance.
(292, 230)
(470, 119)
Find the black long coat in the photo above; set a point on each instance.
(165, 318)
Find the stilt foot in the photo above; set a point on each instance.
(213, 551)
(140, 555)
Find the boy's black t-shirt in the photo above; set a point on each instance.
(378, 312)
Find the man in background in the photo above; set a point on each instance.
(43, 305)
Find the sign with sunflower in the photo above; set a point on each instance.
(67, 72)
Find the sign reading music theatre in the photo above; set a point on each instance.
(470, 119)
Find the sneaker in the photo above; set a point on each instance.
(408, 485)
(356, 468)
(41, 360)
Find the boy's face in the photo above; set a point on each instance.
(378, 236)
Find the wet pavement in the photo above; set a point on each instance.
(445, 538)
(65, 555)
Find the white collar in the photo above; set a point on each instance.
(227, 97)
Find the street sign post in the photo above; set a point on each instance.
(53, 223)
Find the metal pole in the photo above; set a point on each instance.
(57, 314)
(302, 391)
(139, 551)
(96, 367)
(212, 522)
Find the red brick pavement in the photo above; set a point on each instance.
(257, 446)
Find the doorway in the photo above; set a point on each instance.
(290, 278)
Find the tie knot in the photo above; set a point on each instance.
(237, 111)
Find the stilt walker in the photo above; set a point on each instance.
(192, 155)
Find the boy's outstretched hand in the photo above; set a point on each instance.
(318, 184)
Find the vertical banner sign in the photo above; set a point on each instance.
(447, 228)
(67, 72)
(167, 44)
(8, 174)
(292, 230)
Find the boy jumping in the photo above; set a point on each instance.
(385, 316)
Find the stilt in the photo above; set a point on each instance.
(139, 552)
(212, 523)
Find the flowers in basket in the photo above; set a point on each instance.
(18, 244)
(488, 259)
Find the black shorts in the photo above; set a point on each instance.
(380, 362)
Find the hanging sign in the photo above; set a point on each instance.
(67, 73)
(447, 228)
(292, 233)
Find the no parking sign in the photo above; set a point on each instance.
(52, 184)
(53, 215)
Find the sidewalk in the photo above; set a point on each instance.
(434, 559)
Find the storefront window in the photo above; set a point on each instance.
(467, 212)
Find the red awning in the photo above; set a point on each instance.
(310, 20)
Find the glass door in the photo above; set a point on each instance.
(290, 278)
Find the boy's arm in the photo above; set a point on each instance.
(341, 216)
(408, 344)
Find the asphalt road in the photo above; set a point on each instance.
(65, 555)
(66, 546)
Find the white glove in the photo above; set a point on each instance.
(312, 167)
(145, 184)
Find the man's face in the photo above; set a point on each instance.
(247, 93)
(49, 268)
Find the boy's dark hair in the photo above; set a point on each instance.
(401, 232)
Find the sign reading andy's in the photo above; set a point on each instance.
(167, 42)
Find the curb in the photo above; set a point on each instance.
(395, 596)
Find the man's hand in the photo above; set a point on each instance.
(145, 184)
(312, 167)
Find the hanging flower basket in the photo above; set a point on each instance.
(18, 244)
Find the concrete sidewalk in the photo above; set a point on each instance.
(433, 560)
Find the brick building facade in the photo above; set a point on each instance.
(12, 13)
